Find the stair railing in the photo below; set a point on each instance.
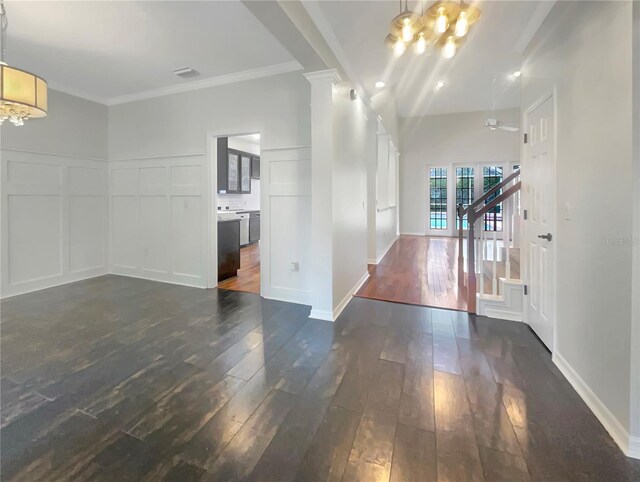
(477, 252)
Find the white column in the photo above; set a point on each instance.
(322, 86)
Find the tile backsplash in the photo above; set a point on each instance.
(238, 202)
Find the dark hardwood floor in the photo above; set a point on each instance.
(123, 379)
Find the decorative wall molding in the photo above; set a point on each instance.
(158, 214)
(56, 154)
(54, 220)
(285, 194)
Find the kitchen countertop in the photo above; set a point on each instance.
(228, 220)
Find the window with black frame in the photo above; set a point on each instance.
(464, 191)
(438, 198)
(492, 175)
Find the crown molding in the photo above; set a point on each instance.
(234, 77)
(77, 93)
(329, 74)
(251, 74)
(535, 22)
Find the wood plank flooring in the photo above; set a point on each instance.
(248, 279)
(118, 378)
(419, 270)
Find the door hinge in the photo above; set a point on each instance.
(524, 214)
(525, 290)
(525, 137)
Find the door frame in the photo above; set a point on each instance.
(212, 206)
(524, 256)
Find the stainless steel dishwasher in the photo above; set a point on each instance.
(244, 228)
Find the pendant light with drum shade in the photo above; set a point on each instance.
(444, 24)
(22, 95)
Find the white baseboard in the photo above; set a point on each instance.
(345, 301)
(629, 445)
(327, 315)
(182, 280)
(634, 447)
(410, 233)
(384, 252)
(299, 297)
(324, 315)
(51, 282)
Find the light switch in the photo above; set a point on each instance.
(295, 266)
(567, 211)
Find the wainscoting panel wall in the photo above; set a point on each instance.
(286, 186)
(54, 220)
(159, 219)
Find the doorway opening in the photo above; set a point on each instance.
(237, 205)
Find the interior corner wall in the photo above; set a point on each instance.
(54, 196)
(352, 140)
(445, 140)
(593, 89)
(159, 180)
(635, 287)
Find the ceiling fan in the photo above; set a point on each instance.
(495, 124)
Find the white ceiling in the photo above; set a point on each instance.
(107, 50)
(490, 51)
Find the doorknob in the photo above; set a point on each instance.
(545, 236)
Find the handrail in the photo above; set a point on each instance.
(495, 188)
(494, 202)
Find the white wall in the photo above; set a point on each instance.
(444, 140)
(162, 130)
(351, 137)
(382, 196)
(74, 127)
(54, 196)
(593, 89)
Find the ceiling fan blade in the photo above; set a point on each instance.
(509, 128)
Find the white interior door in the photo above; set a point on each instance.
(540, 202)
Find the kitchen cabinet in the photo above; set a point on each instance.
(245, 173)
(228, 248)
(255, 167)
(234, 169)
(254, 226)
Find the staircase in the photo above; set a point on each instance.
(491, 267)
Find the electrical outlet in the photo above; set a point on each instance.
(295, 266)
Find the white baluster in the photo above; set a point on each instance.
(494, 281)
(482, 255)
(506, 235)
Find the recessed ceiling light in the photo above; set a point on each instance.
(516, 74)
(380, 84)
(439, 85)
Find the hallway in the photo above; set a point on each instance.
(418, 270)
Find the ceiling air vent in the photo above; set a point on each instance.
(186, 73)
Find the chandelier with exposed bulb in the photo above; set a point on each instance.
(445, 24)
(22, 94)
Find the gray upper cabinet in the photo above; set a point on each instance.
(245, 173)
(234, 169)
(234, 175)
